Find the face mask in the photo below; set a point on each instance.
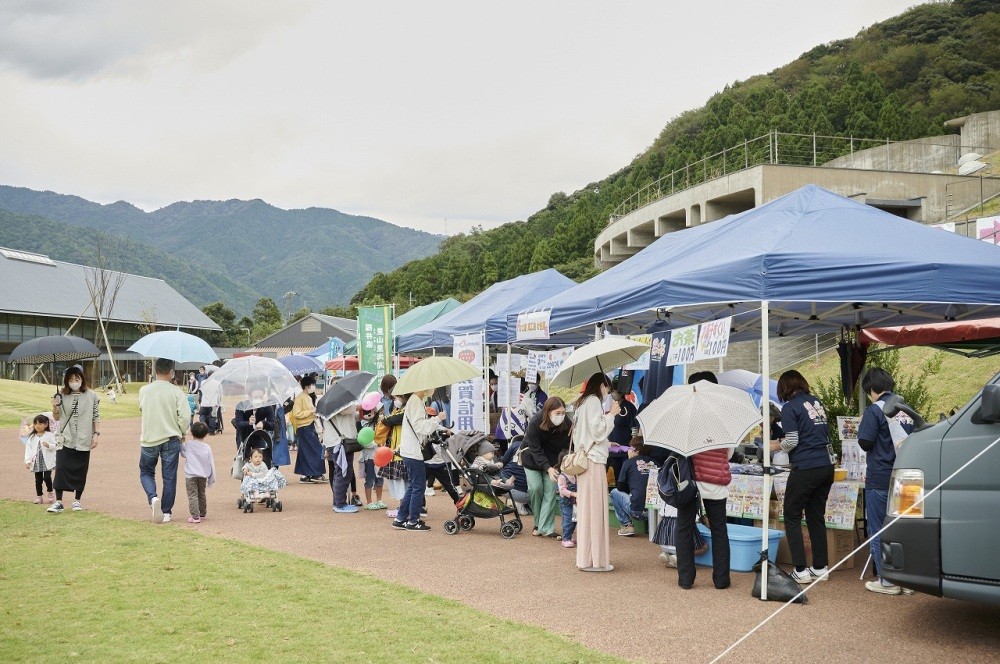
(75, 385)
(558, 419)
(257, 403)
(398, 403)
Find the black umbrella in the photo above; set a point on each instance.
(52, 349)
(343, 393)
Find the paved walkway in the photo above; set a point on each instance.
(637, 611)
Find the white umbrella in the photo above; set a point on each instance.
(695, 418)
(244, 375)
(598, 356)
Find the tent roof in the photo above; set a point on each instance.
(821, 260)
(487, 311)
(415, 318)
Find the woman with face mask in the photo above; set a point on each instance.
(590, 434)
(546, 437)
(78, 411)
(309, 459)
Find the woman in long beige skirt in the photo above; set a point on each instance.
(590, 433)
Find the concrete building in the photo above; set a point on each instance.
(914, 179)
(46, 297)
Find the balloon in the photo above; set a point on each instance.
(383, 456)
(366, 436)
(371, 400)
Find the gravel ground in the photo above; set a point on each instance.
(636, 611)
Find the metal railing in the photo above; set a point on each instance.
(795, 150)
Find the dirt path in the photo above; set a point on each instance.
(636, 611)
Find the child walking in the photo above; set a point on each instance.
(567, 506)
(39, 454)
(199, 471)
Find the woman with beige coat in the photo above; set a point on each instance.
(591, 426)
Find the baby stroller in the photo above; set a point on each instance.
(481, 499)
(258, 440)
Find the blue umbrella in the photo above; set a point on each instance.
(751, 383)
(301, 365)
(175, 345)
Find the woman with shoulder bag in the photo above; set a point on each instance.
(590, 436)
(416, 427)
(78, 411)
(340, 441)
(547, 436)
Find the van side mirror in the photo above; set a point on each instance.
(989, 407)
(895, 404)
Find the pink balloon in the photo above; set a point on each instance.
(371, 400)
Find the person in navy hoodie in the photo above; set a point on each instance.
(878, 437)
(807, 442)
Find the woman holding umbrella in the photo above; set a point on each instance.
(78, 411)
(309, 460)
(590, 434)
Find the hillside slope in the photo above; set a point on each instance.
(321, 254)
(79, 245)
(899, 79)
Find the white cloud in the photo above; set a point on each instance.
(412, 112)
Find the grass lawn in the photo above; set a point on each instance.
(91, 587)
(19, 399)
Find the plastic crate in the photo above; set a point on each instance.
(744, 546)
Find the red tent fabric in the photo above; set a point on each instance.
(933, 333)
(350, 363)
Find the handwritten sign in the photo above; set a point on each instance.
(533, 325)
(683, 345)
(713, 339)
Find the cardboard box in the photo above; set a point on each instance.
(839, 543)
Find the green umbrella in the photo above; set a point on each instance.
(435, 372)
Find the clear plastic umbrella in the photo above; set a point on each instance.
(243, 376)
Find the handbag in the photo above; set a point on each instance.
(351, 445)
(426, 449)
(238, 466)
(575, 463)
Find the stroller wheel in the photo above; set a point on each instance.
(518, 526)
(507, 531)
(466, 522)
(246, 508)
(277, 505)
(250, 507)
(239, 503)
(451, 527)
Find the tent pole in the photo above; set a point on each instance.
(486, 386)
(765, 436)
(509, 373)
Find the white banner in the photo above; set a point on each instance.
(713, 339)
(683, 345)
(533, 325)
(509, 392)
(642, 364)
(467, 400)
(554, 360)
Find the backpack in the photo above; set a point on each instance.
(675, 483)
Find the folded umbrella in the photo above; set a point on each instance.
(174, 345)
(343, 393)
(435, 372)
(601, 356)
(695, 418)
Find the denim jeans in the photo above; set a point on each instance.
(168, 453)
(622, 502)
(413, 499)
(568, 524)
(876, 503)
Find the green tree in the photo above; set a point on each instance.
(225, 318)
(266, 313)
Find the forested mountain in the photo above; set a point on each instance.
(899, 79)
(321, 254)
(74, 244)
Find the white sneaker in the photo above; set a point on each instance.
(55, 508)
(154, 505)
(819, 573)
(166, 518)
(877, 586)
(428, 492)
(803, 577)
(77, 507)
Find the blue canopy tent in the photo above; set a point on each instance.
(487, 311)
(808, 262)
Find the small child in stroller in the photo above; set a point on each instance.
(485, 461)
(260, 483)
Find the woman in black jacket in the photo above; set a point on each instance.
(547, 436)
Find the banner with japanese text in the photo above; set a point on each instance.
(713, 339)
(375, 342)
(467, 398)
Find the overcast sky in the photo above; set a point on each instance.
(435, 115)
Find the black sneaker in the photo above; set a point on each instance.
(357, 502)
(305, 480)
(419, 527)
(399, 525)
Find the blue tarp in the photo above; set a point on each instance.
(487, 311)
(821, 260)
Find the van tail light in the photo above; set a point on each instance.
(906, 488)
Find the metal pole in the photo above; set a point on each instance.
(814, 148)
(486, 385)
(746, 154)
(765, 435)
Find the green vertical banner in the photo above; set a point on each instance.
(375, 339)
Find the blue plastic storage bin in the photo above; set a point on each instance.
(744, 546)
